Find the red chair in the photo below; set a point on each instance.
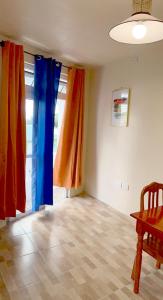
(151, 197)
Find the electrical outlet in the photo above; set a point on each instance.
(125, 186)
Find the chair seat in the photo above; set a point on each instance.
(153, 248)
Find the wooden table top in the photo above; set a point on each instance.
(152, 218)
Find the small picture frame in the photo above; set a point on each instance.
(120, 107)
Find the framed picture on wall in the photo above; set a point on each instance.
(120, 107)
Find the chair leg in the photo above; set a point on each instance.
(138, 263)
(133, 270)
(158, 265)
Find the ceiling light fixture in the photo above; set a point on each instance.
(140, 28)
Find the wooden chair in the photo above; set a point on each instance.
(151, 245)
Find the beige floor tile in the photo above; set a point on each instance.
(81, 249)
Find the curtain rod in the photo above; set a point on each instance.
(2, 44)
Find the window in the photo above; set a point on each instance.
(58, 192)
(29, 86)
(59, 110)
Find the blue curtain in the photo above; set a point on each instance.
(46, 82)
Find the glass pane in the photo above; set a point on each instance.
(29, 110)
(29, 79)
(28, 183)
(62, 87)
(29, 82)
(29, 118)
(59, 112)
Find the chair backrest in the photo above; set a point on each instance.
(153, 195)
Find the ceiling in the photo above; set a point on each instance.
(76, 30)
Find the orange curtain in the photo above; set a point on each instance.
(12, 132)
(68, 162)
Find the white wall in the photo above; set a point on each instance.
(132, 155)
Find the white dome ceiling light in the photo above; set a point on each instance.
(140, 28)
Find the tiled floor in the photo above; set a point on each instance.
(80, 249)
